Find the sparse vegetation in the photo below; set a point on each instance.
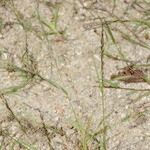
(47, 85)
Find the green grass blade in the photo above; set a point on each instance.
(113, 39)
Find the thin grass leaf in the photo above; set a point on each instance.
(84, 134)
(14, 89)
(109, 55)
(52, 25)
(110, 33)
(54, 84)
(112, 83)
(114, 40)
(147, 79)
(57, 86)
(131, 40)
(55, 17)
(137, 21)
(1, 24)
(25, 145)
(142, 22)
(18, 141)
(114, 5)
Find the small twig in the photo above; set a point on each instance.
(46, 131)
(123, 88)
(12, 113)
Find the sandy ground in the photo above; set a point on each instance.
(41, 116)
